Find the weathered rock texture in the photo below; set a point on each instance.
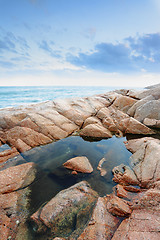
(14, 201)
(99, 116)
(67, 212)
(71, 213)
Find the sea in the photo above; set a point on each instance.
(24, 95)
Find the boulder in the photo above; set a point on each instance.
(152, 122)
(79, 164)
(68, 211)
(124, 103)
(124, 175)
(28, 136)
(91, 120)
(148, 110)
(142, 224)
(17, 177)
(20, 145)
(95, 131)
(118, 206)
(7, 154)
(102, 224)
(145, 163)
(139, 103)
(60, 121)
(47, 127)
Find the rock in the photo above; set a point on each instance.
(135, 127)
(20, 145)
(28, 136)
(59, 120)
(79, 164)
(7, 154)
(47, 127)
(96, 131)
(145, 163)
(124, 175)
(69, 210)
(102, 171)
(155, 92)
(121, 192)
(103, 113)
(118, 207)
(148, 110)
(142, 224)
(149, 199)
(102, 224)
(124, 103)
(134, 144)
(74, 173)
(127, 124)
(14, 212)
(141, 102)
(152, 122)
(14, 178)
(91, 120)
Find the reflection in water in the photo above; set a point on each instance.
(53, 177)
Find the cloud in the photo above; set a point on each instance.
(6, 64)
(132, 54)
(11, 43)
(47, 47)
(105, 57)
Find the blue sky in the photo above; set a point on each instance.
(80, 42)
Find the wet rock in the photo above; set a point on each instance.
(142, 224)
(102, 224)
(124, 103)
(152, 122)
(17, 177)
(96, 131)
(118, 206)
(68, 211)
(79, 164)
(103, 172)
(148, 110)
(124, 175)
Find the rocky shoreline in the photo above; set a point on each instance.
(132, 211)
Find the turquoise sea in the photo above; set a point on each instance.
(15, 96)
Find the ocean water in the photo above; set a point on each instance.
(16, 96)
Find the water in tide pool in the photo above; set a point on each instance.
(15, 96)
(53, 177)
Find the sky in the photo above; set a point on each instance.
(80, 42)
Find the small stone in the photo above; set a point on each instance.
(80, 164)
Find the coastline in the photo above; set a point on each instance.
(101, 116)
